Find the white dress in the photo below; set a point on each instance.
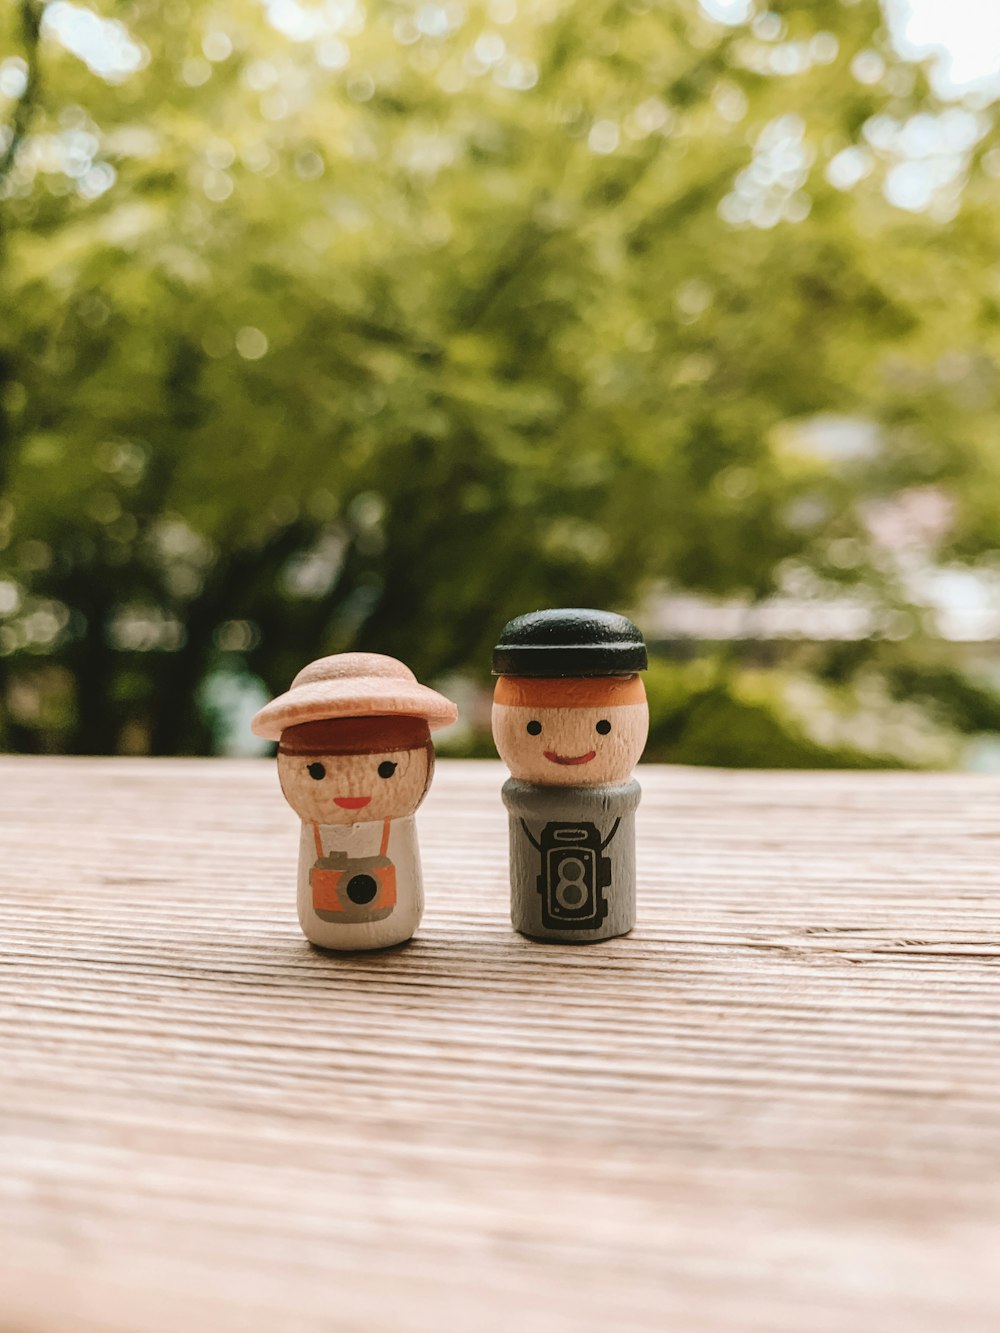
(360, 885)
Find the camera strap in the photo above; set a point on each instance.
(614, 830)
(530, 836)
(538, 846)
(383, 846)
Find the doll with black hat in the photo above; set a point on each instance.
(570, 720)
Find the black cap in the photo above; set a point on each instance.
(569, 642)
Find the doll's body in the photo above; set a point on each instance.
(572, 860)
(355, 858)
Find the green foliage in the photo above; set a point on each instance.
(709, 712)
(375, 337)
(732, 719)
(958, 701)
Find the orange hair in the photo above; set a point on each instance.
(569, 691)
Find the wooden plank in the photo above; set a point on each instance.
(775, 1106)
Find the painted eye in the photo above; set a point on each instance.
(603, 727)
(316, 771)
(533, 728)
(386, 769)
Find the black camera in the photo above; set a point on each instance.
(575, 872)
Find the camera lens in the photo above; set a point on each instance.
(362, 889)
(571, 888)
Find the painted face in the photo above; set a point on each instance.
(354, 788)
(572, 746)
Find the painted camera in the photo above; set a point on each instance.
(347, 889)
(573, 877)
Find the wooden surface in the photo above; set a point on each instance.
(775, 1106)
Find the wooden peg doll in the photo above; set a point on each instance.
(570, 720)
(355, 759)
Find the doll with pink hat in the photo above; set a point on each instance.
(355, 759)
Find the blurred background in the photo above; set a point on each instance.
(328, 325)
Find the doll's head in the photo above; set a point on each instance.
(355, 769)
(570, 708)
(354, 738)
(570, 732)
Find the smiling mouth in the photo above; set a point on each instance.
(570, 759)
(351, 802)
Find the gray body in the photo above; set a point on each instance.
(572, 851)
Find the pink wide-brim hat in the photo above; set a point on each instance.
(352, 685)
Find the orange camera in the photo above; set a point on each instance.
(353, 888)
(347, 889)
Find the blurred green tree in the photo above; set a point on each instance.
(326, 327)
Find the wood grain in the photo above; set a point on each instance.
(775, 1106)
